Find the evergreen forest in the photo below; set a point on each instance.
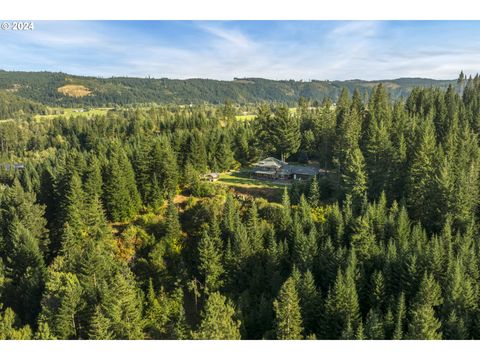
(107, 230)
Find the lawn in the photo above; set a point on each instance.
(242, 178)
(241, 182)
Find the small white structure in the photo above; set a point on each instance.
(211, 177)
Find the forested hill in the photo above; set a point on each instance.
(12, 106)
(60, 89)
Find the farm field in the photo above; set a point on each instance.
(245, 117)
(69, 112)
(249, 117)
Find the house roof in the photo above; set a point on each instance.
(270, 162)
(270, 165)
(265, 172)
(14, 166)
(301, 170)
(212, 175)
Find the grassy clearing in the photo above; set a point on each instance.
(242, 178)
(69, 112)
(245, 117)
(250, 117)
(74, 90)
(241, 183)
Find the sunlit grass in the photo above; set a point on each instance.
(250, 117)
(245, 117)
(73, 112)
(242, 179)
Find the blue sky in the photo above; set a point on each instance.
(323, 50)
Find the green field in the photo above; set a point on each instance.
(241, 182)
(241, 178)
(250, 117)
(245, 117)
(68, 112)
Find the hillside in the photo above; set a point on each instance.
(12, 105)
(55, 89)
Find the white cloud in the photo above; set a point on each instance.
(339, 50)
(230, 37)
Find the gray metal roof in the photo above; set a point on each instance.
(301, 170)
(265, 172)
(270, 162)
(272, 166)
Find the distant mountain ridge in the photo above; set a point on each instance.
(48, 88)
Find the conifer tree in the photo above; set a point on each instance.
(241, 243)
(10, 328)
(342, 306)
(285, 132)
(263, 129)
(348, 136)
(142, 166)
(363, 239)
(163, 168)
(455, 328)
(399, 318)
(164, 314)
(360, 333)
(60, 304)
(460, 303)
(314, 193)
(286, 216)
(354, 177)
(172, 228)
(378, 294)
(218, 320)
(43, 332)
(429, 292)
(343, 105)
(305, 249)
(253, 228)
(444, 183)
(228, 219)
(93, 179)
(288, 318)
(122, 306)
(374, 327)
(210, 265)
(310, 303)
(224, 154)
(420, 181)
(377, 144)
(69, 211)
(121, 197)
(424, 325)
(99, 326)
